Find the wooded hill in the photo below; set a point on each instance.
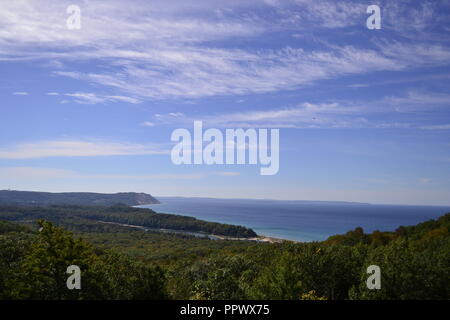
(87, 218)
(120, 262)
(74, 198)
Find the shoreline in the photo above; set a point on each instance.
(258, 238)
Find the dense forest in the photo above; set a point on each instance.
(119, 262)
(86, 218)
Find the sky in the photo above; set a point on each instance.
(363, 114)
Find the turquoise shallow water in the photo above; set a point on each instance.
(299, 220)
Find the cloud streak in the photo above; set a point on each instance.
(76, 148)
(175, 51)
(92, 98)
(385, 113)
(55, 173)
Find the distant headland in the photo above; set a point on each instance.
(75, 198)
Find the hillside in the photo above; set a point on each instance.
(74, 198)
(91, 217)
(423, 231)
(126, 263)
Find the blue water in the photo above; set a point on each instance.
(299, 220)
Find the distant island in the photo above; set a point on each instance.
(322, 202)
(75, 198)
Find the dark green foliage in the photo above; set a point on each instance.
(85, 216)
(46, 262)
(127, 263)
(166, 248)
(422, 231)
(409, 270)
(217, 278)
(328, 270)
(123, 278)
(6, 227)
(13, 250)
(34, 267)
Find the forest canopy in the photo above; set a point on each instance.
(69, 215)
(119, 262)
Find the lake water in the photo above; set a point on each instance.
(299, 220)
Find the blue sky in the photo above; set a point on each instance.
(364, 115)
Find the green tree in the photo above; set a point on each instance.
(222, 277)
(13, 248)
(409, 270)
(123, 278)
(45, 266)
(329, 271)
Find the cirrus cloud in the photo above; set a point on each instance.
(77, 148)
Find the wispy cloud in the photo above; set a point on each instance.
(55, 173)
(416, 100)
(76, 148)
(425, 180)
(20, 93)
(384, 113)
(358, 85)
(34, 172)
(304, 115)
(436, 127)
(227, 173)
(166, 51)
(148, 124)
(92, 98)
(321, 14)
(194, 72)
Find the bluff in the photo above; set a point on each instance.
(74, 198)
